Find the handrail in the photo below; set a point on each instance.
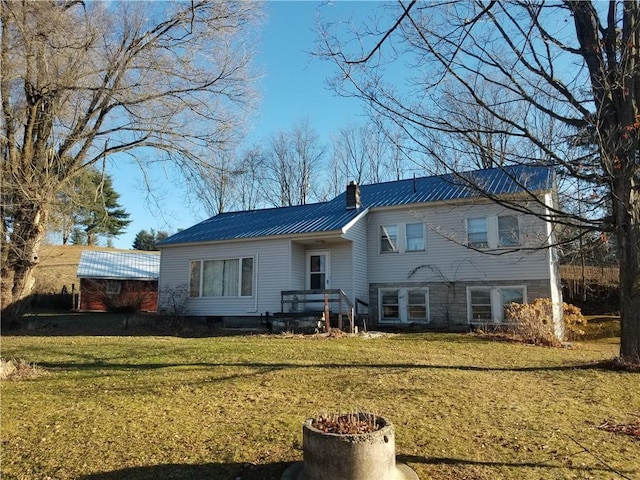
(332, 291)
(300, 297)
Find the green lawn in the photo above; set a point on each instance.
(232, 407)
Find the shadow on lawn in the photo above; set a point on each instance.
(269, 367)
(70, 324)
(483, 463)
(212, 471)
(273, 471)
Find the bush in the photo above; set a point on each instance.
(533, 322)
(573, 319)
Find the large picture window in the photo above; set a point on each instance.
(222, 278)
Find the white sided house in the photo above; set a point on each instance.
(430, 251)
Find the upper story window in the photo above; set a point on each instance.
(388, 238)
(221, 278)
(508, 231)
(477, 232)
(414, 233)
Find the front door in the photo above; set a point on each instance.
(318, 272)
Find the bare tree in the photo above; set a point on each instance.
(569, 71)
(83, 81)
(292, 162)
(251, 168)
(213, 184)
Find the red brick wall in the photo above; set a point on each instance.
(94, 296)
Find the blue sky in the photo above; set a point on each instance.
(293, 87)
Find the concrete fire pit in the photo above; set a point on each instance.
(363, 456)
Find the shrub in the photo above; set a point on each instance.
(173, 306)
(533, 322)
(573, 319)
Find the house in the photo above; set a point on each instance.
(429, 251)
(118, 281)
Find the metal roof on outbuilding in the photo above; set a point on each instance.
(119, 265)
(333, 215)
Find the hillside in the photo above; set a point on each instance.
(58, 266)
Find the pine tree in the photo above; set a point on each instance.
(147, 240)
(144, 241)
(102, 214)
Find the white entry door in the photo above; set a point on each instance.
(318, 271)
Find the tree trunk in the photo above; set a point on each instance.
(629, 249)
(29, 229)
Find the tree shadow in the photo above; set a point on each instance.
(541, 466)
(210, 471)
(72, 324)
(267, 367)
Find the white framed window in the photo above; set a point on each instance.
(417, 305)
(477, 234)
(480, 304)
(509, 296)
(231, 277)
(404, 305)
(489, 304)
(389, 305)
(414, 236)
(508, 231)
(388, 238)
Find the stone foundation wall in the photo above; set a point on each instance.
(448, 301)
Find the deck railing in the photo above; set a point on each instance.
(330, 302)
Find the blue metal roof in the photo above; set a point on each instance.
(119, 265)
(333, 215)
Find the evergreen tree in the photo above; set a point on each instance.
(102, 214)
(144, 241)
(78, 237)
(147, 240)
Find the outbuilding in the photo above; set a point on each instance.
(118, 281)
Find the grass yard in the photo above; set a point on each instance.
(232, 407)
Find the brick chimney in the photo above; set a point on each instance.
(353, 196)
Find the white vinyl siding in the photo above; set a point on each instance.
(271, 271)
(357, 234)
(446, 257)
